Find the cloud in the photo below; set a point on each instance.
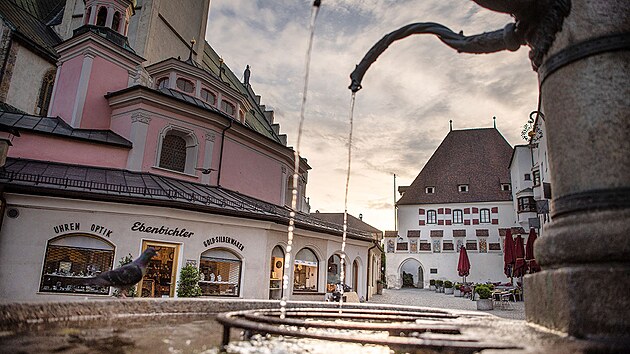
(410, 93)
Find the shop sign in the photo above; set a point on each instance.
(76, 226)
(160, 230)
(223, 239)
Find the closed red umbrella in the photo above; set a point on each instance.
(508, 254)
(529, 252)
(463, 266)
(519, 254)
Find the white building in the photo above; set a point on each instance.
(462, 197)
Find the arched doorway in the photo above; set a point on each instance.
(333, 275)
(355, 276)
(411, 270)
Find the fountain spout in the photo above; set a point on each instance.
(507, 38)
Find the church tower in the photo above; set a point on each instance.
(97, 59)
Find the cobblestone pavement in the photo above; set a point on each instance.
(428, 298)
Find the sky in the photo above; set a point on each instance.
(409, 94)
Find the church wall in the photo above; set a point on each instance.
(28, 72)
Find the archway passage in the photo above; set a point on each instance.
(412, 273)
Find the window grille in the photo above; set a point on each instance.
(173, 153)
(431, 217)
(458, 216)
(484, 215)
(208, 96)
(221, 277)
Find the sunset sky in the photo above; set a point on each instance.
(409, 94)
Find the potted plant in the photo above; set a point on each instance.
(439, 286)
(448, 287)
(484, 302)
(188, 284)
(379, 287)
(432, 284)
(457, 291)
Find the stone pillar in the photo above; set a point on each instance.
(207, 156)
(139, 128)
(585, 252)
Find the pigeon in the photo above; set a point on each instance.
(126, 276)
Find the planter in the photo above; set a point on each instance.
(431, 287)
(484, 304)
(457, 293)
(441, 289)
(379, 288)
(448, 291)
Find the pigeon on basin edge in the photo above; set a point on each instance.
(128, 275)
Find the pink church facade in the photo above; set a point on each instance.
(173, 155)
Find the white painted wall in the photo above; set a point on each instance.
(26, 79)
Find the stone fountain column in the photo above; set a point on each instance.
(584, 289)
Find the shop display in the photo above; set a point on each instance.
(226, 280)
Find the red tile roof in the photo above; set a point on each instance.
(477, 157)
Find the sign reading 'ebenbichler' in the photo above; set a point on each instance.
(161, 230)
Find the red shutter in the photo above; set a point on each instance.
(475, 210)
(447, 210)
(466, 222)
(495, 221)
(440, 222)
(421, 223)
(466, 210)
(448, 222)
(495, 209)
(441, 211)
(475, 221)
(421, 211)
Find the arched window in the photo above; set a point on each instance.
(305, 271)
(333, 275)
(173, 153)
(45, 92)
(72, 258)
(185, 85)
(220, 273)
(276, 273)
(355, 275)
(209, 97)
(116, 22)
(178, 150)
(228, 108)
(431, 217)
(458, 216)
(163, 83)
(101, 16)
(88, 12)
(484, 215)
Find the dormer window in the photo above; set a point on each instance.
(429, 190)
(163, 83)
(209, 97)
(506, 187)
(185, 85)
(462, 188)
(228, 108)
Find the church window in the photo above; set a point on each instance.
(163, 83)
(45, 92)
(228, 108)
(185, 85)
(178, 151)
(101, 16)
(209, 97)
(116, 21)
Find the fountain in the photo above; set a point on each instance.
(578, 83)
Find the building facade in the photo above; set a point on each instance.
(175, 154)
(462, 197)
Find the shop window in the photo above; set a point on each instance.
(333, 275)
(220, 273)
(101, 16)
(458, 216)
(228, 108)
(276, 273)
(305, 271)
(185, 85)
(45, 92)
(159, 280)
(209, 97)
(178, 150)
(116, 21)
(71, 259)
(431, 217)
(163, 83)
(484, 215)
